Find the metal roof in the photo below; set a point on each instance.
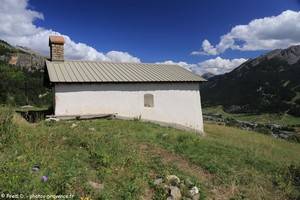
(92, 71)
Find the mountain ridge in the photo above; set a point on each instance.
(268, 83)
(21, 56)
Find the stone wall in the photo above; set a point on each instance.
(57, 52)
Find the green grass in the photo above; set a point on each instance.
(266, 118)
(235, 164)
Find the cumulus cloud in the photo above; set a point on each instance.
(208, 49)
(185, 65)
(219, 65)
(266, 33)
(18, 28)
(216, 66)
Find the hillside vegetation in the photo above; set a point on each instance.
(267, 84)
(265, 118)
(21, 87)
(123, 158)
(22, 77)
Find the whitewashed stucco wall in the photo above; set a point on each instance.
(174, 103)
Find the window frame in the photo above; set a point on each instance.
(148, 100)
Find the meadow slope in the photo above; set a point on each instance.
(125, 157)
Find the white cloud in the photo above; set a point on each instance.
(180, 63)
(119, 56)
(266, 33)
(17, 28)
(216, 66)
(208, 49)
(219, 65)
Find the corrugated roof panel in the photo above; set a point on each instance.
(108, 72)
(65, 73)
(125, 73)
(148, 74)
(90, 71)
(71, 73)
(59, 73)
(100, 73)
(76, 71)
(135, 73)
(117, 73)
(82, 71)
(52, 73)
(151, 72)
(92, 76)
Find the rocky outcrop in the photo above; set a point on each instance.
(176, 189)
(21, 57)
(291, 55)
(207, 75)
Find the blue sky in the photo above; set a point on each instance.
(158, 31)
(155, 30)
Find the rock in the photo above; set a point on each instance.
(166, 188)
(44, 178)
(52, 119)
(196, 197)
(175, 193)
(92, 129)
(158, 181)
(73, 125)
(188, 183)
(194, 192)
(173, 180)
(27, 106)
(20, 157)
(182, 186)
(35, 168)
(96, 186)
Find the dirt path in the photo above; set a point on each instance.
(169, 158)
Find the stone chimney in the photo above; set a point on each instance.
(56, 44)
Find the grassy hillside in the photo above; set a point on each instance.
(20, 87)
(281, 119)
(125, 157)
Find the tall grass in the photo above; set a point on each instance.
(7, 127)
(253, 165)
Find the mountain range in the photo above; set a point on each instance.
(21, 56)
(269, 83)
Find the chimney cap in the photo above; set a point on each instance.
(55, 39)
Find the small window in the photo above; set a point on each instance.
(148, 100)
